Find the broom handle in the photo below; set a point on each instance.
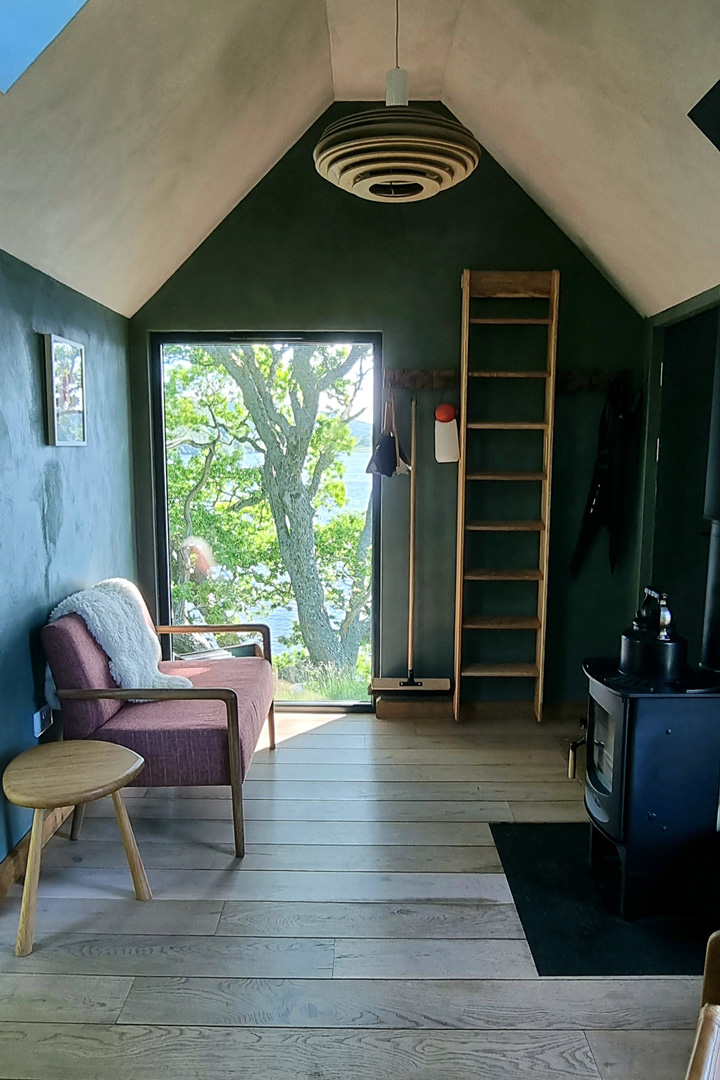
(411, 581)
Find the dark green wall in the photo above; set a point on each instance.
(298, 254)
(66, 513)
(680, 551)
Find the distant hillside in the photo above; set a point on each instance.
(361, 431)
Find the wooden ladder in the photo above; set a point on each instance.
(504, 286)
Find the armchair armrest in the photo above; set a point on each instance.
(225, 628)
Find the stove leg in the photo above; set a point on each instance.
(601, 849)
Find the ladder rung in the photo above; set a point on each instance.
(508, 425)
(490, 574)
(501, 670)
(505, 476)
(512, 322)
(508, 374)
(505, 526)
(501, 622)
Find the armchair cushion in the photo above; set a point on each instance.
(185, 743)
(77, 662)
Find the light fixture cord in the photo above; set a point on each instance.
(397, 33)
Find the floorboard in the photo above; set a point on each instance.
(373, 772)
(125, 1051)
(178, 884)
(138, 954)
(298, 833)
(329, 790)
(72, 999)
(417, 959)
(370, 920)
(312, 810)
(200, 855)
(368, 933)
(482, 1004)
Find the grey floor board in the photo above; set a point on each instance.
(370, 958)
(139, 954)
(71, 999)
(388, 790)
(180, 884)
(424, 774)
(299, 833)
(456, 738)
(465, 755)
(126, 1051)
(125, 916)
(199, 855)
(533, 1004)
(313, 810)
(369, 932)
(549, 811)
(641, 1055)
(377, 920)
(314, 740)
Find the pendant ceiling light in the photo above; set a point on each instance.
(399, 153)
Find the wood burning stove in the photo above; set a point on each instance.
(653, 781)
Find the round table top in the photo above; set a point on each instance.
(66, 773)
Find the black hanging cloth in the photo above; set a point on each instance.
(610, 498)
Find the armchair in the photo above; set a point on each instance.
(188, 737)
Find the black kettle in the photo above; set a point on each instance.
(652, 649)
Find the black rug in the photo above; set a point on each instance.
(569, 908)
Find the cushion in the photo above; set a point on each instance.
(185, 742)
(78, 663)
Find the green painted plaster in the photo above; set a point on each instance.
(299, 254)
(66, 513)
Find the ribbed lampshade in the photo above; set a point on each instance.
(396, 154)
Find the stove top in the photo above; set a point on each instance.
(695, 680)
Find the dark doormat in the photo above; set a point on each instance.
(570, 909)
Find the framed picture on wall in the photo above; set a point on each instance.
(65, 381)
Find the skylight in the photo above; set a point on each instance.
(26, 29)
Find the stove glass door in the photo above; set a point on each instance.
(602, 735)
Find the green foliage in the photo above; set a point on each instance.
(225, 554)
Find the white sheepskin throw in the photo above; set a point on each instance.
(116, 616)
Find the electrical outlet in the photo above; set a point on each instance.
(42, 720)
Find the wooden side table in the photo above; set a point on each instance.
(70, 774)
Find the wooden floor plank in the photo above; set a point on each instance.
(377, 920)
(641, 1055)
(68, 999)
(150, 954)
(313, 810)
(486, 1004)
(370, 958)
(432, 755)
(177, 884)
(125, 1051)
(299, 833)
(425, 774)
(549, 811)
(393, 791)
(197, 855)
(124, 916)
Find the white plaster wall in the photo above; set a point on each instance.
(146, 121)
(143, 124)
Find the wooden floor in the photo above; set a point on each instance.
(369, 933)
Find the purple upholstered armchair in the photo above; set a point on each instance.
(192, 737)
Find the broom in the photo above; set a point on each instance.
(411, 683)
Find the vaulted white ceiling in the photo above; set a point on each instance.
(145, 122)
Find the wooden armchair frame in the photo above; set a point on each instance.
(220, 693)
(705, 1059)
